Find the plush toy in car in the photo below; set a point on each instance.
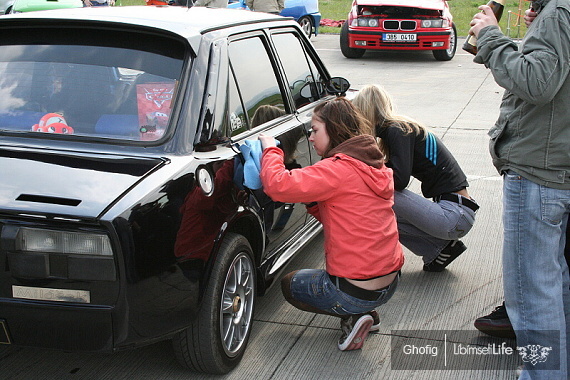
(53, 123)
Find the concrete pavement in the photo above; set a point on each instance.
(459, 101)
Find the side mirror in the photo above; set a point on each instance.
(337, 86)
(312, 90)
(306, 91)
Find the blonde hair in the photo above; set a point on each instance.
(376, 105)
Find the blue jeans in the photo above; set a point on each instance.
(314, 287)
(426, 227)
(535, 273)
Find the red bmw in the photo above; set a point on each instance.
(399, 25)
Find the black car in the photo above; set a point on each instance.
(126, 214)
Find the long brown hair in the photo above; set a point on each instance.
(342, 121)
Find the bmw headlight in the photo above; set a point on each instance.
(366, 21)
(432, 23)
(52, 241)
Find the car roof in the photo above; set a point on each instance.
(186, 22)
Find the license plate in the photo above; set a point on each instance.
(399, 37)
(50, 294)
(4, 337)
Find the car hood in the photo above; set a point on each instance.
(79, 186)
(424, 4)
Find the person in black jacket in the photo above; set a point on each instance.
(430, 225)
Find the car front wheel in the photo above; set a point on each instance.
(449, 53)
(216, 341)
(307, 25)
(346, 50)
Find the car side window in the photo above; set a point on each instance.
(299, 68)
(237, 114)
(257, 86)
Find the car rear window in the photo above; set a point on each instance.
(120, 88)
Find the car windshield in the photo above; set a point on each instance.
(106, 92)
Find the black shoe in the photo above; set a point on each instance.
(446, 256)
(496, 324)
(376, 321)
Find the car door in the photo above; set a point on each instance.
(304, 73)
(259, 101)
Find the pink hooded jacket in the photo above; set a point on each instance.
(354, 192)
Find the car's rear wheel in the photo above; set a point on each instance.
(307, 25)
(216, 341)
(346, 50)
(449, 53)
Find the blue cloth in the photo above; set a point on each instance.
(251, 151)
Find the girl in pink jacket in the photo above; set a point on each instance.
(351, 193)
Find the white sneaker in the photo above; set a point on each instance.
(354, 333)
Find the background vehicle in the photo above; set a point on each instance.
(305, 12)
(5, 6)
(124, 215)
(399, 25)
(43, 5)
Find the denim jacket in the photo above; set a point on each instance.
(532, 134)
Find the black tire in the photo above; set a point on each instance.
(447, 54)
(306, 23)
(347, 51)
(226, 311)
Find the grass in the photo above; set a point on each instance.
(462, 11)
(130, 2)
